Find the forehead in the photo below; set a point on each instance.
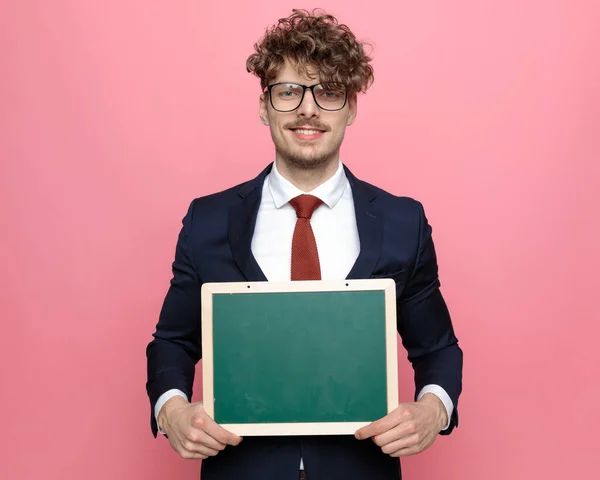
(289, 73)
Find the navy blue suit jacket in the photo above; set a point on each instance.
(214, 246)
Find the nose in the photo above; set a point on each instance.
(308, 108)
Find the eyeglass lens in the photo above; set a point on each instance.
(287, 97)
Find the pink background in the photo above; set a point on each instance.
(110, 120)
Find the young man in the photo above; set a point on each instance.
(311, 70)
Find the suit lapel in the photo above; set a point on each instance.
(369, 221)
(242, 220)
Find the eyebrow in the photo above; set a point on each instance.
(295, 83)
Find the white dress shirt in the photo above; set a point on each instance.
(336, 234)
(334, 226)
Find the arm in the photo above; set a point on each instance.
(428, 336)
(425, 326)
(176, 348)
(172, 357)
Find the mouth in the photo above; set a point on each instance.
(307, 133)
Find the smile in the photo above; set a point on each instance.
(307, 134)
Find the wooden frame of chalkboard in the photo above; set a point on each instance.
(361, 313)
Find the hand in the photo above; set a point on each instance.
(409, 429)
(192, 433)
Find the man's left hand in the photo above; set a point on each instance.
(409, 429)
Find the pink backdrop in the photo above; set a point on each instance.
(111, 123)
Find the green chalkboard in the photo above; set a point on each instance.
(300, 357)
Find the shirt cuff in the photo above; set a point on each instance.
(163, 399)
(442, 395)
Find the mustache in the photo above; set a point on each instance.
(307, 123)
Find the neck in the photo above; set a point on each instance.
(309, 178)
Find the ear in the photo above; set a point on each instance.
(263, 109)
(352, 108)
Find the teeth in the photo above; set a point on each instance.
(308, 132)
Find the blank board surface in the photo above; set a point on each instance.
(299, 357)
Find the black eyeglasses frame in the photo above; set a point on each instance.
(304, 88)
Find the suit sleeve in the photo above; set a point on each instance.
(425, 326)
(176, 348)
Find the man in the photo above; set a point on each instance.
(311, 70)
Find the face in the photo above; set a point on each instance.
(307, 137)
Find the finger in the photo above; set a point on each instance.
(201, 449)
(394, 448)
(369, 431)
(200, 437)
(406, 452)
(399, 432)
(191, 455)
(215, 430)
(379, 426)
(196, 452)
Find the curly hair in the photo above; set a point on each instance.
(318, 40)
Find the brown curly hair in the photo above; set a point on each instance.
(318, 40)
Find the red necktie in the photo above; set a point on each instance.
(305, 258)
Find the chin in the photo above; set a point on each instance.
(304, 161)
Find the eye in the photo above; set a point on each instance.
(331, 94)
(287, 91)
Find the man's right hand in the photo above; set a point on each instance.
(192, 433)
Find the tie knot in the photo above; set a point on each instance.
(305, 205)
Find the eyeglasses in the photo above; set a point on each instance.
(287, 97)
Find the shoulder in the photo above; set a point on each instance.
(218, 200)
(211, 212)
(219, 203)
(394, 206)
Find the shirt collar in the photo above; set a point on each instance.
(328, 192)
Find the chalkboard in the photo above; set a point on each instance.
(299, 358)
